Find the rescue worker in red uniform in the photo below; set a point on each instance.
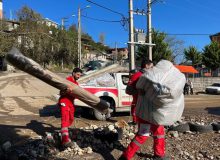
(128, 90)
(145, 129)
(131, 86)
(67, 108)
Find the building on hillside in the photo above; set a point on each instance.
(118, 53)
(215, 37)
(10, 25)
(50, 23)
(95, 55)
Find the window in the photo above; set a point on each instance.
(125, 79)
(216, 84)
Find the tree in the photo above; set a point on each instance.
(43, 43)
(211, 56)
(6, 39)
(176, 46)
(160, 51)
(36, 40)
(191, 53)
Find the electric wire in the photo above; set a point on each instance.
(101, 20)
(116, 12)
(124, 20)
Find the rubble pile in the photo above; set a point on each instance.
(200, 140)
(92, 142)
(85, 141)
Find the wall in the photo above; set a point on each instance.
(199, 84)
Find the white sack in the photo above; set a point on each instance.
(163, 102)
(104, 80)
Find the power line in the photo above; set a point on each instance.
(123, 21)
(102, 20)
(106, 8)
(188, 34)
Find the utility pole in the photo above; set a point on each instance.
(62, 28)
(131, 35)
(62, 23)
(79, 38)
(116, 52)
(149, 29)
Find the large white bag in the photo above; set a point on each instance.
(163, 101)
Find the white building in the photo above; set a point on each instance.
(50, 23)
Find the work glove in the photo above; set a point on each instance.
(108, 114)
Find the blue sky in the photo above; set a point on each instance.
(170, 16)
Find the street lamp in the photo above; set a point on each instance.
(79, 36)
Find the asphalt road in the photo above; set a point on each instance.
(28, 108)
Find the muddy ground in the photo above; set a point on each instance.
(28, 109)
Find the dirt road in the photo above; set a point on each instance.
(28, 108)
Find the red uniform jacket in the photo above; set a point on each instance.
(71, 79)
(131, 87)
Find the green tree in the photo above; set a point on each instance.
(67, 48)
(160, 51)
(6, 39)
(46, 44)
(211, 56)
(191, 53)
(36, 41)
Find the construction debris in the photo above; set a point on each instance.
(92, 141)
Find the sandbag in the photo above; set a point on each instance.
(28, 65)
(163, 101)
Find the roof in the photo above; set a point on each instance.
(186, 69)
(214, 35)
(217, 34)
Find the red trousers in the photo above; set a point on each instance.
(67, 116)
(133, 112)
(133, 108)
(144, 130)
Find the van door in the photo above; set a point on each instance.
(124, 99)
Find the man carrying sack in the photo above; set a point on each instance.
(160, 102)
(131, 87)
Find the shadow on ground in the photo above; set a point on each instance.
(12, 132)
(87, 113)
(50, 111)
